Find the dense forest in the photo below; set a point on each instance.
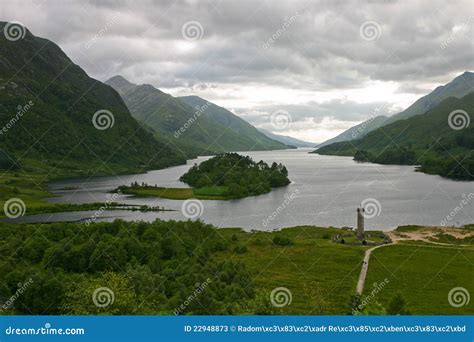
(241, 176)
(144, 268)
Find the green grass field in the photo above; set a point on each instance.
(423, 274)
(321, 274)
(206, 193)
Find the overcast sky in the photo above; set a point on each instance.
(329, 64)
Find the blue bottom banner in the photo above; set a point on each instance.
(236, 328)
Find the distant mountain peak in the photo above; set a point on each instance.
(120, 84)
(216, 130)
(149, 87)
(469, 73)
(119, 79)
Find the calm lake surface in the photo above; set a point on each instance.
(325, 191)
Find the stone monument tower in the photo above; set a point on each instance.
(360, 223)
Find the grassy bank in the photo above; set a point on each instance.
(206, 193)
(30, 187)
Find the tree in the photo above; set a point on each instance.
(355, 304)
(109, 294)
(397, 306)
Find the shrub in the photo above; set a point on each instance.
(282, 241)
(240, 249)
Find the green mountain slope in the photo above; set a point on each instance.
(47, 107)
(458, 87)
(249, 135)
(357, 131)
(199, 128)
(427, 140)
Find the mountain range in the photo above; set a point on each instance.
(357, 131)
(191, 124)
(287, 140)
(57, 117)
(458, 87)
(440, 141)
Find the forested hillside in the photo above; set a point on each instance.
(56, 116)
(440, 143)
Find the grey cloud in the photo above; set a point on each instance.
(323, 42)
(306, 45)
(317, 112)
